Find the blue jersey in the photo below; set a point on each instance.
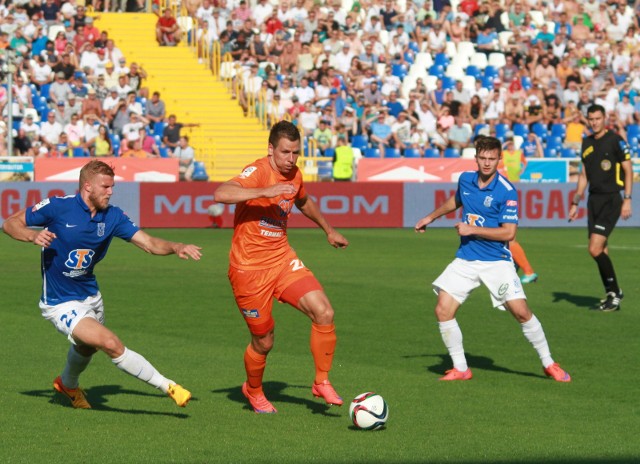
(82, 241)
(491, 206)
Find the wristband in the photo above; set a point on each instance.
(627, 197)
(576, 200)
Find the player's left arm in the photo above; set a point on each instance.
(159, 246)
(628, 189)
(310, 209)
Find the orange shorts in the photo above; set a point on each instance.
(254, 290)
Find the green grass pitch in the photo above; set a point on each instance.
(182, 317)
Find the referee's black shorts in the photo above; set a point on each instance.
(603, 212)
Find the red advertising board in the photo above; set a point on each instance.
(126, 169)
(344, 205)
(413, 170)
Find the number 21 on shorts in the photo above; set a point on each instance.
(68, 318)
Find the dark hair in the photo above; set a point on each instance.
(283, 129)
(595, 108)
(485, 143)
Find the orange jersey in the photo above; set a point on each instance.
(260, 225)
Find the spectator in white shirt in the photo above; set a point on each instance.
(50, 131)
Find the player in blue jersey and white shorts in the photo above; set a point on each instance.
(75, 232)
(489, 222)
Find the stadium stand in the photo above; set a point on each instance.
(240, 68)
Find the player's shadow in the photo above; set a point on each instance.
(274, 391)
(97, 397)
(474, 362)
(582, 301)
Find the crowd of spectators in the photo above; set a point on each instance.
(427, 76)
(75, 94)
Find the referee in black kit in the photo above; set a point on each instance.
(603, 155)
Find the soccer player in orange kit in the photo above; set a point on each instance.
(263, 266)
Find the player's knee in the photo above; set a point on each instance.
(323, 313)
(263, 344)
(112, 346)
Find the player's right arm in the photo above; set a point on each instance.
(447, 207)
(582, 185)
(232, 192)
(16, 227)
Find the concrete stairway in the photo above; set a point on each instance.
(226, 140)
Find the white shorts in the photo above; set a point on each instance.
(66, 316)
(461, 277)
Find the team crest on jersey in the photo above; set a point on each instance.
(605, 164)
(42, 204)
(100, 229)
(487, 201)
(248, 171)
(285, 207)
(79, 259)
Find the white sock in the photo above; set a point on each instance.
(452, 338)
(532, 330)
(136, 365)
(76, 364)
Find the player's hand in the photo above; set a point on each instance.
(626, 210)
(422, 224)
(337, 240)
(573, 212)
(464, 230)
(287, 190)
(188, 251)
(44, 238)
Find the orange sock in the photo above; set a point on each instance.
(323, 345)
(520, 257)
(254, 364)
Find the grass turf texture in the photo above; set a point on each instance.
(182, 317)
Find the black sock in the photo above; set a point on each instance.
(607, 274)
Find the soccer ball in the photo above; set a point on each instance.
(369, 411)
(215, 209)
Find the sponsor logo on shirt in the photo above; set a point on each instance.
(251, 313)
(78, 261)
(512, 203)
(475, 220)
(42, 204)
(248, 171)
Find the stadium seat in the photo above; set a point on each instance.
(423, 60)
(501, 130)
(399, 70)
(441, 59)
(555, 142)
(448, 82)
(568, 153)
(469, 83)
(478, 60)
(432, 153)
(371, 153)
(491, 71)
(497, 60)
(158, 128)
(550, 153)
(526, 82)
(390, 152)
(325, 170)
(164, 151)
(466, 48)
(478, 128)
(412, 153)
(78, 152)
(329, 152)
(199, 172)
(436, 70)
(33, 113)
(559, 130)
(359, 141)
(413, 46)
(430, 82)
(44, 91)
(633, 131)
(474, 71)
(540, 130)
(520, 129)
(452, 153)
